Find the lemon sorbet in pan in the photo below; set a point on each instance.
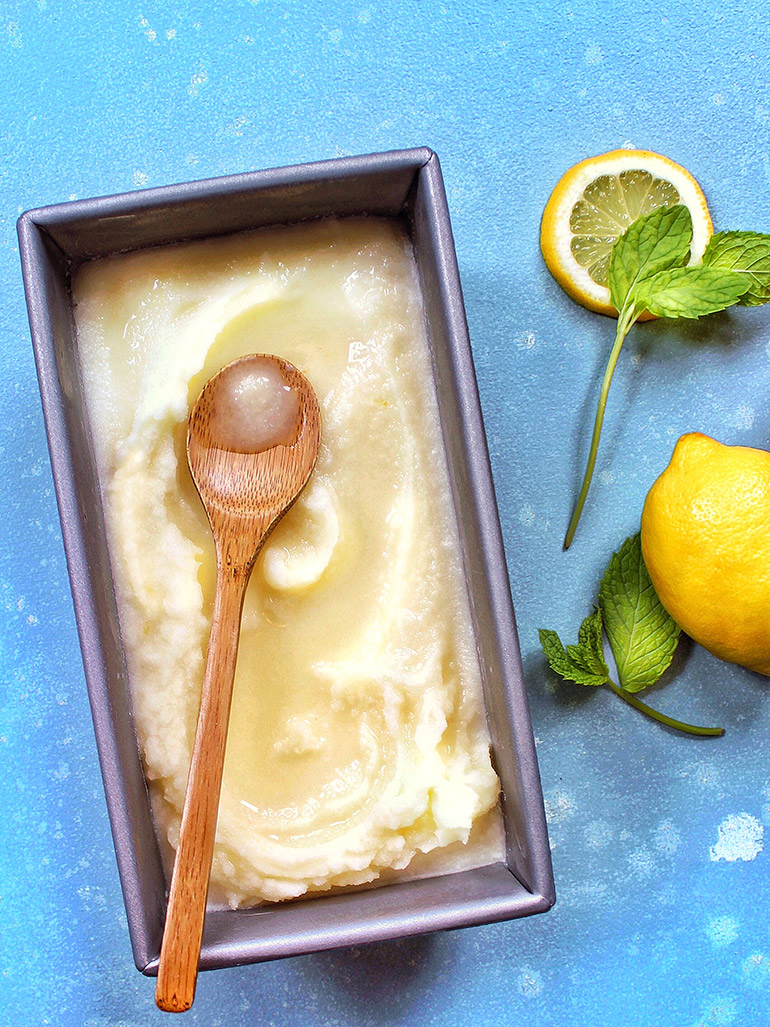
(358, 740)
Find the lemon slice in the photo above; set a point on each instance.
(596, 201)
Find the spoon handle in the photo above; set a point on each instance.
(180, 950)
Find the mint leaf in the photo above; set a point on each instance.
(653, 243)
(590, 647)
(747, 253)
(582, 663)
(642, 635)
(690, 291)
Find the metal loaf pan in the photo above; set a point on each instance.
(406, 185)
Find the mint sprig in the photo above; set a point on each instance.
(649, 271)
(642, 636)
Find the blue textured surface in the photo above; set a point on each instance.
(651, 928)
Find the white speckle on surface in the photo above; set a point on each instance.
(607, 477)
(598, 834)
(704, 774)
(717, 99)
(559, 805)
(140, 178)
(526, 515)
(586, 895)
(594, 54)
(200, 78)
(756, 970)
(667, 838)
(743, 417)
(722, 931)
(170, 33)
(637, 361)
(530, 983)
(91, 896)
(720, 1013)
(740, 837)
(641, 863)
(365, 15)
(14, 34)
(235, 128)
(525, 340)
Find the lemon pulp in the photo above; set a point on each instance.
(609, 205)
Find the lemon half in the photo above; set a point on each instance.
(596, 201)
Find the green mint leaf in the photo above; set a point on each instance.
(582, 663)
(690, 291)
(642, 635)
(588, 653)
(748, 253)
(653, 243)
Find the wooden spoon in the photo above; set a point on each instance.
(244, 494)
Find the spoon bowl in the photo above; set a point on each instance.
(252, 487)
(247, 474)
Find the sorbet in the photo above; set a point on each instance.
(357, 735)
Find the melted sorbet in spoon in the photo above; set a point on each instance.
(255, 409)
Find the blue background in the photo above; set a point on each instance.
(651, 927)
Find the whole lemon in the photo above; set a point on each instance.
(706, 543)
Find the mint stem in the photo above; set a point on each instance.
(678, 725)
(626, 319)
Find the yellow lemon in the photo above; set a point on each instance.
(706, 543)
(596, 201)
